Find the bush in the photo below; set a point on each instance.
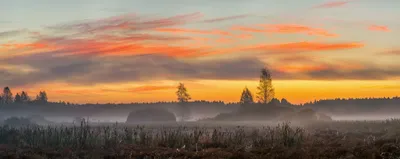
(18, 121)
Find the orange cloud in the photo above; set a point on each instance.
(181, 30)
(23, 45)
(247, 29)
(306, 46)
(224, 40)
(294, 28)
(295, 47)
(379, 28)
(245, 36)
(115, 46)
(286, 28)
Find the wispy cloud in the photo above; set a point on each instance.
(295, 28)
(128, 22)
(379, 28)
(226, 18)
(5, 34)
(301, 68)
(285, 29)
(305, 47)
(333, 4)
(193, 31)
(391, 52)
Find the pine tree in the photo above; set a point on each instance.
(17, 99)
(7, 96)
(247, 97)
(183, 95)
(41, 98)
(24, 97)
(266, 91)
(183, 98)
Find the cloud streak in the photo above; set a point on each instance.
(305, 47)
(128, 22)
(391, 52)
(332, 4)
(221, 19)
(379, 28)
(193, 31)
(285, 29)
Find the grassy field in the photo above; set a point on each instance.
(351, 139)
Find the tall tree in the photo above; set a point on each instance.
(17, 99)
(7, 96)
(183, 98)
(183, 95)
(266, 91)
(42, 97)
(25, 97)
(247, 97)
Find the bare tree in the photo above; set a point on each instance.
(265, 89)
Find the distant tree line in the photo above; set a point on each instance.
(355, 101)
(7, 98)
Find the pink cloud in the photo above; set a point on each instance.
(379, 28)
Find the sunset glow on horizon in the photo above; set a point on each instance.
(138, 51)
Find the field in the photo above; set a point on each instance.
(339, 139)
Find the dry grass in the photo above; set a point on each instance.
(319, 140)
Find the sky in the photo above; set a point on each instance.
(98, 51)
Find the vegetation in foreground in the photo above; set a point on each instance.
(361, 139)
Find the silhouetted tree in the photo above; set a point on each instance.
(266, 91)
(17, 99)
(285, 102)
(183, 98)
(247, 97)
(24, 97)
(7, 96)
(275, 101)
(42, 97)
(183, 95)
